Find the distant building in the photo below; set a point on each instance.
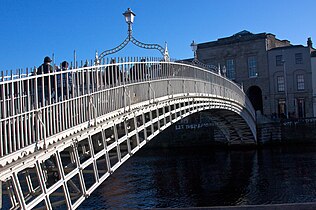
(250, 59)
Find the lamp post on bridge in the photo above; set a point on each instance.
(195, 60)
(129, 19)
(194, 49)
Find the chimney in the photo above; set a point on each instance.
(309, 42)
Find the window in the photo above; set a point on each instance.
(230, 69)
(298, 58)
(300, 82)
(278, 60)
(280, 84)
(252, 66)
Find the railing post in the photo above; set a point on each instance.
(128, 94)
(150, 89)
(92, 107)
(38, 123)
(168, 90)
(183, 88)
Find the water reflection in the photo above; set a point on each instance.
(208, 177)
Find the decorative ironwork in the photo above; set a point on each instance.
(128, 39)
(207, 66)
(129, 16)
(199, 63)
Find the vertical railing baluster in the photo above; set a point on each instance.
(77, 82)
(76, 107)
(112, 74)
(55, 84)
(3, 142)
(58, 118)
(20, 103)
(63, 116)
(83, 81)
(12, 134)
(69, 114)
(2, 123)
(88, 76)
(83, 110)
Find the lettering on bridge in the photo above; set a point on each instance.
(193, 126)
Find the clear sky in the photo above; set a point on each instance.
(32, 29)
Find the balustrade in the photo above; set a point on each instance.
(36, 107)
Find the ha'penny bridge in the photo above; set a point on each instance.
(64, 133)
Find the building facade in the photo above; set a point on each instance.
(249, 59)
(290, 81)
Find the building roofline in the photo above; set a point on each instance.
(287, 47)
(242, 36)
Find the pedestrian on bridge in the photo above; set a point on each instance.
(139, 71)
(45, 84)
(113, 75)
(64, 81)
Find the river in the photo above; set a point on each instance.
(204, 177)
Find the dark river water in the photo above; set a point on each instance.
(203, 177)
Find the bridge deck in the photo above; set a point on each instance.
(64, 133)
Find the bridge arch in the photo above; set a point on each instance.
(116, 122)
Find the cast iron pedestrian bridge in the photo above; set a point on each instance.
(64, 133)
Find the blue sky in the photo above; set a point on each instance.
(32, 29)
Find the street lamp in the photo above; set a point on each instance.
(194, 49)
(195, 60)
(129, 19)
(224, 71)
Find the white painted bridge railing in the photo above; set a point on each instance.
(35, 107)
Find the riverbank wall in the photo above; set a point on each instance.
(287, 131)
(205, 133)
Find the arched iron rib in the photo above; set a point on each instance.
(116, 49)
(199, 63)
(148, 46)
(135, 42)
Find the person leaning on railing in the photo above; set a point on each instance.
(139, 71)
(49, 81)
(113, 74)
(64, 81)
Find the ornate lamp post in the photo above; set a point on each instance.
(194, 47)
(129, 18)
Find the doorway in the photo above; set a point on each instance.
(254, 94)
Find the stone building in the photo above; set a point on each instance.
(295, 90)
(248, 58)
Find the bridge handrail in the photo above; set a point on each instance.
(64, 99)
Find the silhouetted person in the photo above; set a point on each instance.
(64, 80)
(45, 68)
(112, 74)
(139, 71)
